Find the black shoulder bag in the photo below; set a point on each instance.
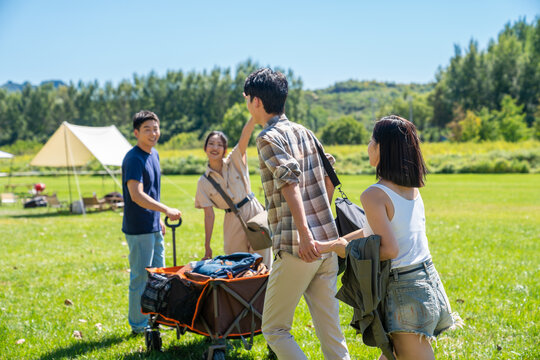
(349, 216)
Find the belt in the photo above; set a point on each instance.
(407, 270)
(243, 202)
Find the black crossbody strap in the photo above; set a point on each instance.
(327, 166)
(227, 199)
(329, 169)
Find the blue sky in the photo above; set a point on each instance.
(321, 41)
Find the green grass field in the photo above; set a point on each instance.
(484, 233)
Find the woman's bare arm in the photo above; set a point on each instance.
(209, 218)
(374, 203)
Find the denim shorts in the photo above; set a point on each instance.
(416, 301)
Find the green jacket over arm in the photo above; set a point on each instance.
(364, 288)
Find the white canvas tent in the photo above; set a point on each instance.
(74, 145)
(5, 155)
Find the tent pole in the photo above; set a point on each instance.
(112, 175)
(77, 183)
(75, 175)
(10, 171)
(67, 166)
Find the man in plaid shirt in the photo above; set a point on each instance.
(298, 195)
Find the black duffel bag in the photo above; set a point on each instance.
(156, 292)
(36, 201)
(171, 296)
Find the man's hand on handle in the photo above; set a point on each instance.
(173, 214)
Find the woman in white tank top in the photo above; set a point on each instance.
(416, 306)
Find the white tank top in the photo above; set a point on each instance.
(409, 227)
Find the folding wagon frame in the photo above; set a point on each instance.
(226, 309)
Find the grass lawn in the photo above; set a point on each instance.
(484, 233)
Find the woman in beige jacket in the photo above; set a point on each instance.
(232, 174)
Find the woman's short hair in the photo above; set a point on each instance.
(221, 136)
(400, 159)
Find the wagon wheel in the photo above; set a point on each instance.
(152, 339)
(219, 355)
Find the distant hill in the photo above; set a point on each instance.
(360, 98)
(55, 83)
(10, 86)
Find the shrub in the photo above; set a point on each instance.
(345, 130)
(233, 122)
(183, 166)
(495, 162)
(186, 140)
(22, 147)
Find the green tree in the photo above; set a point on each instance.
(455, 126)
(536, 129)
(536, 124)
(12, 121)
(345, 130)
(411, 104)
(470, 126)
(233, 122)
(475, 79)
(489, 127)
(317, 117)
(184, 140)
(37, 104)
(512, 120)
(441, 102)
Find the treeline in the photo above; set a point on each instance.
(185, 102)
(481, 95)
(492, 94)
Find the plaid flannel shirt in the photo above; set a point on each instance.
(288, 155)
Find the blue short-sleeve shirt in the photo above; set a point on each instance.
(143, 167)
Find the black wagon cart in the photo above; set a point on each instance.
(218, 308)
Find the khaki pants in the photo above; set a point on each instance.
(291, 278)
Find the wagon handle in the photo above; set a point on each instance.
(173, 227)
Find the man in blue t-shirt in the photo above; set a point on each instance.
(142, 224)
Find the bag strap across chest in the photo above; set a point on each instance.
(329, 169)
(227, 199)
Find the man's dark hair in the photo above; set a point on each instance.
(269, 86)
(400, 160)
(143, 116)
(221, 135)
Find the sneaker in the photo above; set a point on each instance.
(136, 333)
